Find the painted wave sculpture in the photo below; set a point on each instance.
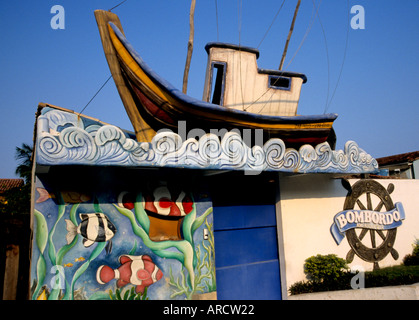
(65, 139)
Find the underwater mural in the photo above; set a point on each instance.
(122, 245)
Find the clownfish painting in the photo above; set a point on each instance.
(140, 271)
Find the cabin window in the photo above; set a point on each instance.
(218, 74)
(278, 82)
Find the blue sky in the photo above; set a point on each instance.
(376, 97)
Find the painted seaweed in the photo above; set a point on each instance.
(185, 254)
(205, 271)
(44, 238)
(128, 294)
(58, 275)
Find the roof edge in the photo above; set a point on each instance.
(231, 46)
(399, 158)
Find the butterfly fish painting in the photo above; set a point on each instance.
(94, 227)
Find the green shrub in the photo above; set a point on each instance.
(330, 273)
(344, 283)
(325, 268)
(412, 259)
(390, 276)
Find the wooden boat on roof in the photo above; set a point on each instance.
(237, 94)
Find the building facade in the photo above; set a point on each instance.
(211, 218)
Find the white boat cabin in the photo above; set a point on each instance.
(233, 80)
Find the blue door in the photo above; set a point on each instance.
(246, 248)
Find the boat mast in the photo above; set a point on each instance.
(190, 47)
(289, 35)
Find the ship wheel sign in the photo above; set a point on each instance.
(368, 209)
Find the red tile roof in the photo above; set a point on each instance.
(399, 158)
(7, 184)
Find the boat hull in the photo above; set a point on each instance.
(161, 106)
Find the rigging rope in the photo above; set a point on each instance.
(343, 61)
(240, 11)
(314, 14)
(97, 92)
(117, 5)
(216, 20)
(312, 20)
(269, 28)
(328, 60)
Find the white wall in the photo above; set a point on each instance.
(307, 206)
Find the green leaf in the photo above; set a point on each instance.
(126, 295)
(118, 294)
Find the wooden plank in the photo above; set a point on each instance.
(289, 35)
(143, 131)
(11, 272)
(190, 47)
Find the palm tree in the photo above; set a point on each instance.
(24, 156)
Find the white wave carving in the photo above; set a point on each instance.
(62, 138)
